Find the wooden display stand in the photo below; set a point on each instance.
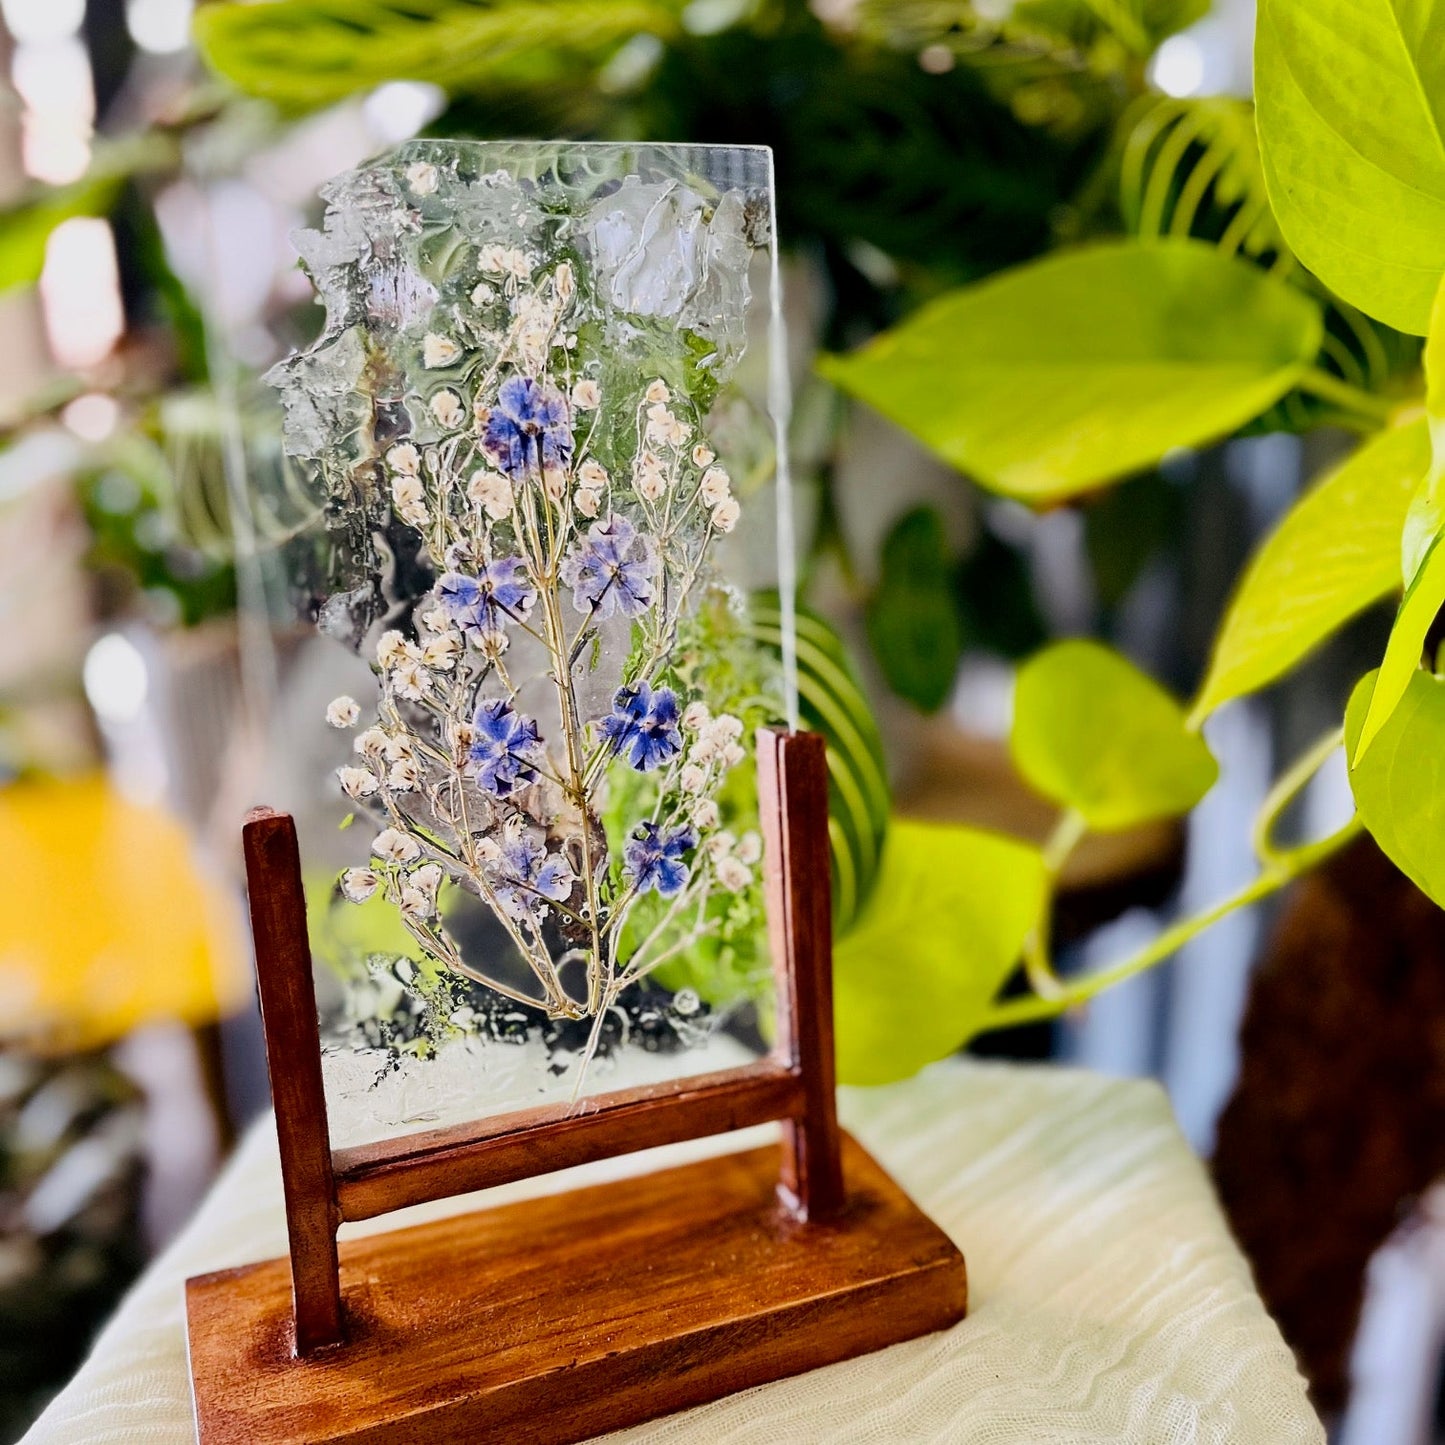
(565, 1317)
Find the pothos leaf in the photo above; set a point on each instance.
(907, 992)
(1048, 380)
(1095, 734)
(1351, 104)
(1399, 785)
(1336, 551)
(831, 701)
(1426, 518)
(1423, 599)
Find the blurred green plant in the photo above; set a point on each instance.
(1208, 281)
(1064, 375)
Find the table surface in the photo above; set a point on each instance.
(1107, 1300)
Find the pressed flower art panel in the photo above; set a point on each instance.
(535, 442)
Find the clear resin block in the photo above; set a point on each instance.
(540, 429)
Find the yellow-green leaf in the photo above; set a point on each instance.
(1350, 96)
(1336, 551)
(1093, 733)
(1399, 784)
(1423, 599)
(1426, 518)
(1072, 371)
(913, 979)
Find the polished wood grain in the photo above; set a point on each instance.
(559, 1318)
(793, 798)
(293, 1059)
(373, 1179)
(564, 1317)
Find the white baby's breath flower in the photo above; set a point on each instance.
(461, 736)
(692, 779)
(410, 680)
(416, 904)
(732, 755)
(704, 750)
(519, 264)
(404, 458)
(703, 455)
(404, 776)
(435, 619)
(733, 874)
(570, 341)
(400, 748)
(651, 486)
(588, 502)
(414, 514)
(565, 281)
(483, 293)
(370, 744)
(407, 490)
(715, 486)
(428, 878)
(440, 654)
(438, 350)
(492, 259)
(342, 712)
(492, 643)
(395, 846)
(391, 649)
(720, 845)
(481, 413)
(725, 516)
(489, 850)
(706, 815)
(592, 474)
(357, 782)
(446, 407)
(554, 483)
(694, 715)
(750, 847)
(492, 492)
(586, 395)
(665, 428)
(657, 392)
(725, 728)
(358, 884)
(421, 176)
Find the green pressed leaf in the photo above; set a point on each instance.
(913, 621)
(831, 701)
(1336, 551)
(305, 54)
(1095, 734)
(914, 979)
(1351, 107)
(1057, 376)
(1399, 784)
(1423, 599)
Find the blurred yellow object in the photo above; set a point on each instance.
(106, 922)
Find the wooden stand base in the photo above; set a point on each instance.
(561, 1318)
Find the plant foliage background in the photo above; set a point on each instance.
(1048, 274)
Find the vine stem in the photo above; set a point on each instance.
(1328, 387)
(1287, 867)
(1286, 789)
(1038, 965)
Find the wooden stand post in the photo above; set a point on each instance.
(523, 1322)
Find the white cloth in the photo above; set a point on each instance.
(1107, 1300)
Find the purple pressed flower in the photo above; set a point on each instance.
(530, 874)
(653, 858)
(529, 421)
(643, 726)
(486, 603)
(502, 750)
(612, 571)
